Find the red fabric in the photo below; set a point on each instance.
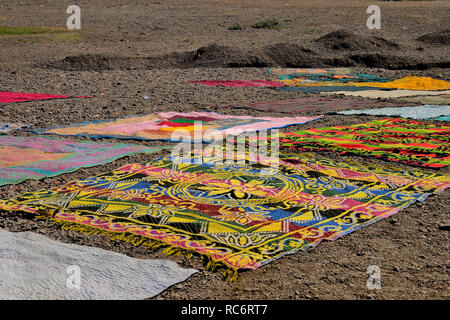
(241, 83)
(11, 97)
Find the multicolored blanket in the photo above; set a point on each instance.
(406, 83)
(240, 83)
(23, 158)
(230, 213)
(313, 75)
(281, 72)
(418, 112)
(407, 141)
(317, 105)
(335, 89)
(11, 97)
(165, 125)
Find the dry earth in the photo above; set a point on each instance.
(130, 49)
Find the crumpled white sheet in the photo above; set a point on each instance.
(33, 266)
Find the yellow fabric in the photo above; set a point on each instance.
(406, 83)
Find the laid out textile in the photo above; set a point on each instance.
(229, 212)
(317, 105)
(418, 112)
(280, 72)
(34, 267)
(331, 89)
(408, 83)
(444, 118)
(407, 141)
(165, 125)
(433, 100)
(6, 127)
(11, 97)
(240, 83)
(329, 78)
(386, 94)
(23, 158)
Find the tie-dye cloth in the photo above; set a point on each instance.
(330, 89)
(313, 75)
(406, 141)
(23, 158)
(240, 83)
(231, 213)
(165, 125)
(6, 127)
(317, 105)
(11, 97)
(418, 112)
(406, 83)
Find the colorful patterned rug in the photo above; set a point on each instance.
(240, 83)
(406, 141)
(162, 125)
(11, 97)
(330, 89)
(230, 213)
(317, 105)
(34, 267)
(6, 127)
(282, 72)
(313, 75)
(23, 158)
(418, 112)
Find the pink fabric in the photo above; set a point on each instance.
(11, 97)
(234, 127)
(240, 83)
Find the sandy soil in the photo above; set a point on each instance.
(132, 49)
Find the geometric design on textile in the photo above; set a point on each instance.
(163, 125)
(231, 213)
(407, 141)
(23, 158)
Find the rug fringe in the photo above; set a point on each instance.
(230, 274)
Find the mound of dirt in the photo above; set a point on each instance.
(437, 38)
(217, 56)
(224, 56)
(292, 55)
(346, 40)
(95, 62)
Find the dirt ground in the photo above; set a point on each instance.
(130, 49)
